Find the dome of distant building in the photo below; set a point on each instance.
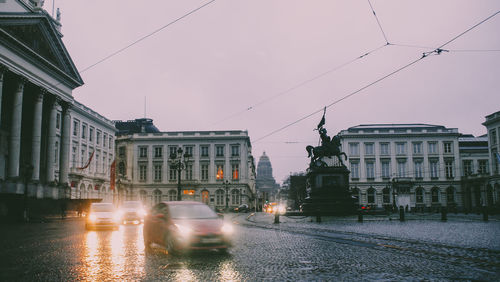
(265, 181)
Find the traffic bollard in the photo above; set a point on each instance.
(401, 213)
(360, 216)
(276, 217)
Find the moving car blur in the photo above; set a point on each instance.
(132, 212)
(275, 208)
(102, 215)
(184, 225)
(242, 208)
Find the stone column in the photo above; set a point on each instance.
(37, 135)
(65, 144)
(3, 141)
(51, 142)
(3, 70)
(15, 132)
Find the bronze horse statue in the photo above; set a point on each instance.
(327, 149)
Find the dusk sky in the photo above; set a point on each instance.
(261, 65)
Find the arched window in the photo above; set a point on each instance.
(371, 195)
(143, 196)
(435, 194)
(386, 195)
(419, 195)
(205, 197)
(157, 196)
(89, 192)
(235, 197)
(219, 197)
(450, 195)
(172, 195)
(81, 192)
(355, 194)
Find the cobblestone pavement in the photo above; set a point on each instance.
(295, 250)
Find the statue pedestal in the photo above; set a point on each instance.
(328, 192)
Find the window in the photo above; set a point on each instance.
(143, 168)
(384, 149)
(418, 169)
(188, 151)
(219, 151)
(417, 148)
(91, 134)
(493, 136)
(82, 156)
(189, 172)
(235, 171)
(467, 167)
(172, 195)
(158, 152)
(371, 196)
(74, 150)
(495, 157)
(121, 168)
(172, 175)
(204, 151)
(219, 172)
(434, 168)
(369, 149)
(419, 194)
(97, 162)
(447, 147)
(354, 170)
(370, 170)
(435, 195)
(121, 152)
(235, 197)
(448, 165)
(58, 120)
(76, 125)
(143, 152)
(386, 196)
(84, 131)
(235, 150)
(433, 148)
(204, 172)
(219, 197)
(354, 149)
(98, 137)
(104, 139)
(110, 145)
(483, 166)
(450, 195)
(157, 196)
(386, 169)
(401, 168)
(400, 148)
(205, 197)
(158, 172)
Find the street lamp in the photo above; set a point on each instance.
(226, 184)
(178, 162)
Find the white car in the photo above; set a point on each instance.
(132, 212)
(102, 215)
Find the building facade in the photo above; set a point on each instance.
(92, 152)
(217, 167)
(492, 189)
(37, 77)
(266, 184)
(416, 166)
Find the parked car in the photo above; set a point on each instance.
(242, 208)
(370, 210)
(132, 212)
(102, 215)
(184, 225)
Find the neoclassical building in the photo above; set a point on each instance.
(265, 182)
(91, 154)
(37, 77)
(217, 166)
(492, 189)
(410, 165)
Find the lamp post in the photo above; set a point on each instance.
(178, 162)
(226, 184)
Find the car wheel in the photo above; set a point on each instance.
(169, 244)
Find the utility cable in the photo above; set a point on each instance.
(316, 77)
(378, 22)
(436, 51)
(147, 36)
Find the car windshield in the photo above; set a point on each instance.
(102, 208)
(132, 205)
(191, 212)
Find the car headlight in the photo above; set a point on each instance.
(183, 230)
(227, 229)
(92, 217)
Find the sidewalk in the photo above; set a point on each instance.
(462, 230)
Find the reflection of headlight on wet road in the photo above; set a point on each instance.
(227, 229)
(92, 217)
(183, 230)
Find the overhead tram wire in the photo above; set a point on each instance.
(378, 22)
(316, 77)
(147, 36)
(436, 51)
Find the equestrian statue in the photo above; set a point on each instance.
(329, 147)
